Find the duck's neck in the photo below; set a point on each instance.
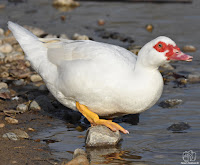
(145, 87)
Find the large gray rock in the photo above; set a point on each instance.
(99, 136)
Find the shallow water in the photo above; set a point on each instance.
(149, 142)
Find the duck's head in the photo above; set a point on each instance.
(160, 51)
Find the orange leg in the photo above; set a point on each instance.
(93, 118)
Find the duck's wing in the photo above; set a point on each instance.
(59, 50)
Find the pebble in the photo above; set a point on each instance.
(36, 78)
(31, 129)
(64, 36)
(5, 93)
(10, 39)
(77, 36)
(14, 56)
(189, 48)
(180, 126)
(34, 106)
(3, 85)
(11, 120)
(10, 112)
(18, 82)
(50, 36)
(6, 48)
(1, 32)
(2, 125)
(79, 158)
(149, 28)
(68, 3)
(36, 31)
(2, 56)
(134, 49)
(167, 67)
(4, 74)
(10, 136)
(43, 87)
(170, 103)
(101, 22)
(194, 77)
(101, 136)
(20, 133)
(22, 108)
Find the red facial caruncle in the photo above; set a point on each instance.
(173, 52)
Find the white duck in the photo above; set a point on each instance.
(97, 78)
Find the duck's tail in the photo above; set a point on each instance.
(34, 49)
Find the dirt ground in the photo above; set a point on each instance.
(25, 151)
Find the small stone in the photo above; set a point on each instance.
(79, 158)
(50, 36)
(36, 31)
(149, 28)
(64, 36)
(101, 136)
(27, 63)
(135, 51)
(11, 120)
(6, 48)
(20, 133)
(14, 162)
(19, 82)
(10, 136)
(5, 93)
(77, 36)
(14, 56)
(101, 22)
(170, 103)
(1, 32)
(31, 129)
(180, 126)
(2, 125)
(3, 85)
(43, 87)
(36, 78)
(10, 112)
(167, 67)
(189, 48)
(34, 106)
(2, 56)
(10, 39)
(194, 78)
(67, 3)
(22, 108)
(4, 74)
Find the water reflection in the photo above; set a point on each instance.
(111, 155)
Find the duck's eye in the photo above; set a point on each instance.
(160, 45)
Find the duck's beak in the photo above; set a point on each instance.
(178, 55)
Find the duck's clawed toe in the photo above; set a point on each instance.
(112, 125)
